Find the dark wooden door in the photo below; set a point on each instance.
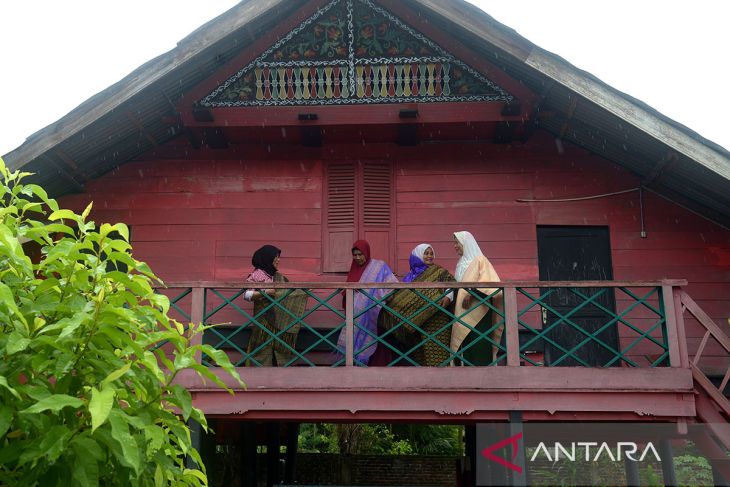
(578, 254)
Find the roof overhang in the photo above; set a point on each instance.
(141, 111)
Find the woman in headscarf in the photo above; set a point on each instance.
(473, 266)
(263, 348)
(365, 269)
(428, 318)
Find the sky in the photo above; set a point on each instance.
(671, 54)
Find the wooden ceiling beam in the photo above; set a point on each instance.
(64, 173)
(137, 123)
(569, 116)
(659, 168)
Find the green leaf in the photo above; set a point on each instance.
(86, 211)
(86, 461)
(183, 399)
(197, 474)
(159, 477)
(54, 403)
(17, 343)
(63, 215)
(54, 442)
(221, 359)
(6, 419)
(7, 298)
(116, 374)
(4, 383)
(100, 405)
(120, 432)
(156, 438)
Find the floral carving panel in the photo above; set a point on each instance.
(350, 52)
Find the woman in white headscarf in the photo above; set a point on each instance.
(473, 266)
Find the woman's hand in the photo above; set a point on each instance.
(466, 302)
(445, 302)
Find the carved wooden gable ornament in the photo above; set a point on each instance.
(353, 52)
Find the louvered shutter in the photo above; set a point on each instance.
(359, 200)
(377, 195)
(341, 219)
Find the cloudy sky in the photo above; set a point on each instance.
(670, 54)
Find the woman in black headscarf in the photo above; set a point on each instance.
(270, 312)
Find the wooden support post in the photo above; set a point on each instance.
(632, 473)
(681, 332)
(471, 447)
(665, 453)
(292, 445)
(516, 428)
(196, 434)
(197, 314)
(675, 358)
(273, 447)
(349, 328)
(511, 325)
(247, 456)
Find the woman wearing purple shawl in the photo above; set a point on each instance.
(428, 319)
(365, 269)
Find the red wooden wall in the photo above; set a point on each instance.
(199, 214)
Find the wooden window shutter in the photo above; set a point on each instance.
(377, 193)
(359, 201)
(377, 203)
(341, 219)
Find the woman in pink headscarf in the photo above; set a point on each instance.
(365, 269)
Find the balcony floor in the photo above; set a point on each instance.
(449, 394)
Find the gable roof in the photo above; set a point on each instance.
(139, 112)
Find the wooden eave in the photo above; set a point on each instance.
(128, 118)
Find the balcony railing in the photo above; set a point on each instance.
(545, 324)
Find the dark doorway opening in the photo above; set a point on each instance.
(577, 253)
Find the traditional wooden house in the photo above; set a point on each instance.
(310, 124)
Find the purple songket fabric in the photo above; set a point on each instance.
(366, 312)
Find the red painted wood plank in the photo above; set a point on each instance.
(661, 257)
(210, 216)
(246, 248)
(180, 249)
(464, 182)
(206, 184)
(482, 232)
(503, 198)
(223, 164)
(304, 199)
(263, 231)
(437, 216)
(691, 273)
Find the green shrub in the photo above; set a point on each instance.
(84, 399)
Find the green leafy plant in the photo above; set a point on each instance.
(87, 394)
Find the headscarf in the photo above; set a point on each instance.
(416, 262)
(356, 270)
(471, 251)
(264, 257)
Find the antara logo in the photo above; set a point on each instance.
(592, 450)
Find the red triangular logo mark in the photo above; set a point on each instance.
(512, 440)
